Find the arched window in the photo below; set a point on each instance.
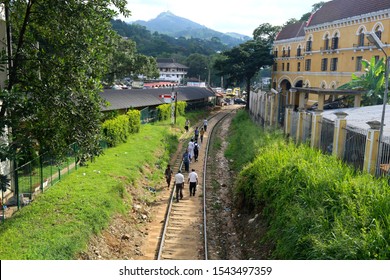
(326, 42)
(276, 53)
(361, 38)
(299, 51)
(335, 41)
(308, 44)
(378, 32)
(288, 51)
(283, 52)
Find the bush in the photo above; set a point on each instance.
(164, 110)
(316, 206)
(115, 131)
(134, 120)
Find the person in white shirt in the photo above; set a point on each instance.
(193, 180)
(179, 182)
(205, 123)
(191, 149)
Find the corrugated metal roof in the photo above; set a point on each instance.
(139, 98)
(343, 9)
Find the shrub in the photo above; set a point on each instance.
(115, 131)
(134, 120)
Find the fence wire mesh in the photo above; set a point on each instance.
(326, 139)
(355, 146)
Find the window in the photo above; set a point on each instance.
(335, 42)
(299, 51)
(333, 64)
(288, 52)
(361, 38)
(307, 64)
(326, 42)
(283, 52)
(276, 53)
(299, 66)
(308, 45)
(324, 64)
(282, 66)
(359, 63)
(378, 32)
(288, 66)
(275, 67)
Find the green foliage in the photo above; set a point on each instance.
(116, 130)
(316, 206)
(161, 45)
(60, 51)
(373, 81)
(245, 140)
(134, 120)
(240, 64)
(60, 222)
(126, 62)
(164, 110)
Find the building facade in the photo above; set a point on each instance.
(326, 50)
(171, 71)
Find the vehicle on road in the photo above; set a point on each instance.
(239, 101)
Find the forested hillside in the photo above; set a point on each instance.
(161, 45)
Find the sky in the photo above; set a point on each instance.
(240, 16)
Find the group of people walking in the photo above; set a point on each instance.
(191, 153)
(179, 182)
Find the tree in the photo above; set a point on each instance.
(241, 63)
(126, 62)
(372, 81)
(58, 55)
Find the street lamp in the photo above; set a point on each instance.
(373, 38)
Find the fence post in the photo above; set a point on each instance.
(316, 129)
(41, 171)
(299, 133)
(266, 109)
(340, 134)
(372, 142)
(287, 119)
(272, 110)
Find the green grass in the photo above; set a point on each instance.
(316, 206)
(60, 222)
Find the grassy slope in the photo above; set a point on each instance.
(316, 206)
(60, 222)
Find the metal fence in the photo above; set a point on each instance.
(326, 140)
(355, 146)
(149, 115)
(34, 177)
(384, 156)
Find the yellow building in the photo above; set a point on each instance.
(324, 51)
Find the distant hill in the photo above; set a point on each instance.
(175, 26)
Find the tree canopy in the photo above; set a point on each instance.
(241, 63)
(58, 53)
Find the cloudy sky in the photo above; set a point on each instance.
(241, 16)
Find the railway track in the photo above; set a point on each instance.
(184, 233)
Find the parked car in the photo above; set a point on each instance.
(239, 101)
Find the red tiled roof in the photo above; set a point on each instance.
(342, 9)
(291, 31)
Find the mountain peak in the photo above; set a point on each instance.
(175, 26)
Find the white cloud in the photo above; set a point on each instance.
(241, 16)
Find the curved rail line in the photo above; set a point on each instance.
(179, 238)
